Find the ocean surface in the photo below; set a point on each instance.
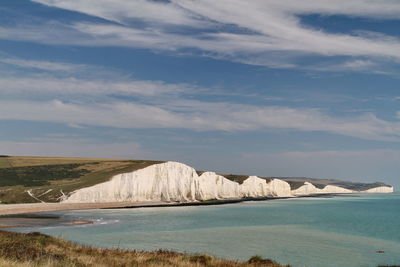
(313, 232)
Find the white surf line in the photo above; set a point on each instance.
(33, 196)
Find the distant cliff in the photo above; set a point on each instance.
(173, 181)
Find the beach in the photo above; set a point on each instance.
(7, 209)
(34, 214)
(31, 215)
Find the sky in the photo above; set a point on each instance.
(263, 87)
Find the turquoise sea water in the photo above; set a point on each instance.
(313, 232)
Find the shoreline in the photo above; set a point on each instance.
(34, 214)
(32, 208)
(302, 201)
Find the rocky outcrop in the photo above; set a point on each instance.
(173, 181)
(177, 182)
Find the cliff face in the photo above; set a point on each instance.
(173, 181)
(258, 187)
(310, 189)
(177, 182)
(306, 189)
(380, 189)
(333, 189)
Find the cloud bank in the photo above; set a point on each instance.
(268, 33)
(200, 116)
(144, 104)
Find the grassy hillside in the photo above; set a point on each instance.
(18, 161)
(37, 249)
(35, 179)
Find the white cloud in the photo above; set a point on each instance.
(256, 32)
(41, 65)
(200, 116)
(279, 30)
(383, 9)
(79, 102)
(51, 86)
(121, 11)
(354, 65)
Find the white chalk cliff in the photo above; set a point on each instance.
(310, 189)
(173, 181)
(380, 189)
(177, 182)
(333, 189)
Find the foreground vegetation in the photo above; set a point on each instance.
(36, 249)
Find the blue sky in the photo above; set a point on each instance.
(270, 88)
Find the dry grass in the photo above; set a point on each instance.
(21, 161)
(37, 249)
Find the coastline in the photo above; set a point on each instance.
(29, 208)
(267, 207)
(34, 214)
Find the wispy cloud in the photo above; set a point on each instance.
(53, 86)
(354, 65)
(41, 65)
(268, 33)
(122, 12)
(127, 103)
(200, 116)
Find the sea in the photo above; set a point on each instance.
(346, 230)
